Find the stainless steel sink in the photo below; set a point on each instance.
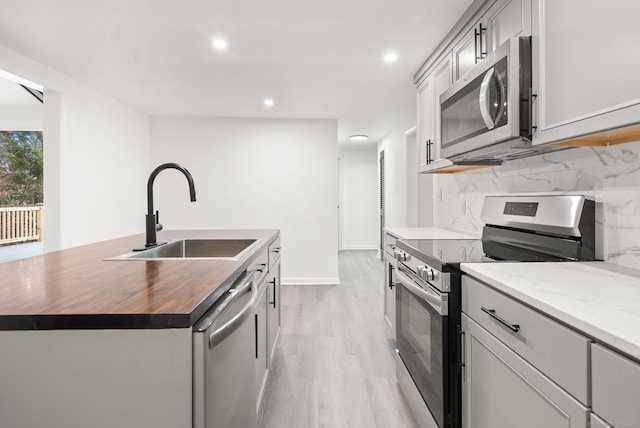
(230, 249)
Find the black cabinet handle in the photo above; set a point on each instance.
(260, 269)
(256, 319)
(479, 48)
(475, 44)
(492, 313)
(273, 281)
(483, 48)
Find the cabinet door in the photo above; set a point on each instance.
(614, 382)
(586, 61)
(465, 53)
(426, 113)
(273, 305)
(442, 79)
(261, 343)
(500, 389)
(389, 295)
(507, 19)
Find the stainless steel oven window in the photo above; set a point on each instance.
(421, 333)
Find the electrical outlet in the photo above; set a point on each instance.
(440, 194)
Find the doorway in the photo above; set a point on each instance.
(21, 168)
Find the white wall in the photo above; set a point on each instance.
(395, 180)
(255, 173)
(21, 118)
(96, 154)
(359, 198)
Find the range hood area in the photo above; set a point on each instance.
(498, 153)
(489, 156)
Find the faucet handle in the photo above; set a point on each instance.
(158, 224)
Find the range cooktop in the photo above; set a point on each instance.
(444, 254)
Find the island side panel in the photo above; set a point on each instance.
(96, 378)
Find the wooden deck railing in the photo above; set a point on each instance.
(20, 224)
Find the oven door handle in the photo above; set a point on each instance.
(432, 298)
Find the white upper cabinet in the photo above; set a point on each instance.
(429, 91)
(465, 52)
(586, 61)
(507, 19)
(502, 20)
(426, 114)
(442, 79)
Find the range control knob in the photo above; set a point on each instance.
(426, 273)
(401, 255)
(420, 271)
(430, 274)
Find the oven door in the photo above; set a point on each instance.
(422, 331)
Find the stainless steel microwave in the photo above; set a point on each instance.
(486, 115)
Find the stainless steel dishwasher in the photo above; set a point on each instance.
(224, 393)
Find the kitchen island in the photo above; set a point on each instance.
(88, 341)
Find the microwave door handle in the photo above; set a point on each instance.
(485, 99)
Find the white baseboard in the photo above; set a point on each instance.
(310, 281)
(361, 247)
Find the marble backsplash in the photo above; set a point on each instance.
(609, 174)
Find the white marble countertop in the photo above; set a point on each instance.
(428, 233)
(600, 299)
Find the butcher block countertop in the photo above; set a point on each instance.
(78, 288)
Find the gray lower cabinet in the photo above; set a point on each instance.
(273, 309)
(500, 389)
(390, 293)
(559, 352)
(261, 348)
(615, 382)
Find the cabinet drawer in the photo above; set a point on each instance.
(557, 351)
(615, 381)
(259, 266)
(274, 252)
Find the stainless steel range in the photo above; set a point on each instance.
(517, 228)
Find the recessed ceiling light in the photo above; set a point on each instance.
(359, 137)
(219, 44)
(390, 57)
(268, 102)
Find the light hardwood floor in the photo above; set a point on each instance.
(334, 363)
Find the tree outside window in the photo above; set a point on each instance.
(21, 166)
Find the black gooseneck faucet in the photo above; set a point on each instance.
(153, 220)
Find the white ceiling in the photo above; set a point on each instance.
(315, 58)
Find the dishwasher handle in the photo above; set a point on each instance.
(230, 326)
